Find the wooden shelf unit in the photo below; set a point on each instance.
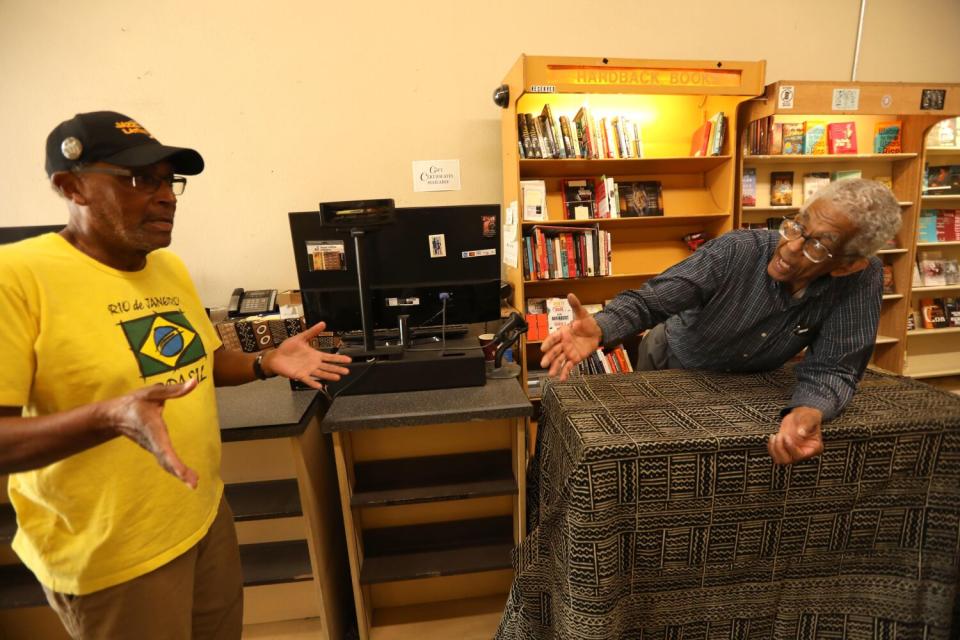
(670, 99)
(934, 353)
(878, 102)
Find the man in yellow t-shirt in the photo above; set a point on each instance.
(106, 337)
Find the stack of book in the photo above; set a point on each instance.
(709, 138)
(604, 197)
(551, 253)
(545, 136)
(939, 225)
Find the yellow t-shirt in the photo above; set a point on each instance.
(77, 331)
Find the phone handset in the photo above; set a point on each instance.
(233, 307)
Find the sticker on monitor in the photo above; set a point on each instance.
(326, 255)
(438, 246)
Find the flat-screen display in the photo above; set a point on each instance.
(410, 266)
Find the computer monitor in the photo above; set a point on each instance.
(15, 234)
(424, 256)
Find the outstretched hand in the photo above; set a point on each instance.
(566, 347)
(297, 360)
(799, 436)
(139, 416)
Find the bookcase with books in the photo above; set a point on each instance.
(618, 169)
(933, 323)
(801, 135)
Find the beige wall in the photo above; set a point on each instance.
(296, 102)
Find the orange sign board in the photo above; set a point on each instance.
(644, 77)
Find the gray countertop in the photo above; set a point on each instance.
(494, 400)
(266, 409)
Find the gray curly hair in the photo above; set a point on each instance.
(869, 205)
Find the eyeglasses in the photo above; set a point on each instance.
(813, 249)
(143, 182)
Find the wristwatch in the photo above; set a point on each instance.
(258, 371)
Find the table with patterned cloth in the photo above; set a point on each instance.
(654, 511)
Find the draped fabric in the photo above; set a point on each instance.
(654, 511)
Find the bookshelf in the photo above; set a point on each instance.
(669, 100)
(866, 104)
(935, 353)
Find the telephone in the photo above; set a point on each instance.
(248, 303)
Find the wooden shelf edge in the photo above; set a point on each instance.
(933, 373)
(438, 612)
(264, 500)
(275, 562)
(448, 562)
(824, 157)
(657, 221)
(945, 243)
(931, 332)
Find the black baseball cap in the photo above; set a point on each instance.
(108, 136)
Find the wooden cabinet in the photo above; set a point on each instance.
(866, 104)
(669, 100)
(432, 494)
(281, 485)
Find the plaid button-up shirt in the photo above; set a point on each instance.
(723, 312)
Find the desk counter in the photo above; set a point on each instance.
(495, 400)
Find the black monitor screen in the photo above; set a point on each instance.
(15, 234)
(425, 255)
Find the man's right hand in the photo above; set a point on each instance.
(139, 416)
(565, 348)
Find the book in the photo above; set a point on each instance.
(559, 314)
(951, 307)
(578, 199)
(888, 278)
(951, 271)
(568, 139)
(546, 132)
(814, 137)
(886, 138)
(932, 314)
(699, 143)
(583, 120)
(536, 137)
(775, 139)
(792, 138)
(942, 180)
(534, 197)
(781, 188)
(526, 145)
(718, 130)
(555, 136)
(748, 187)
(932, 269)
(946, 133)
(641, 198)
(886, 181)
(813, 182)
(842, 137)
(846, 174)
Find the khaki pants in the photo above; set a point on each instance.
(197, 596)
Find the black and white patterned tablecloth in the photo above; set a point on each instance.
(654, 511)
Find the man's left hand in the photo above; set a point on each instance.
(297, 360)
(799, 436)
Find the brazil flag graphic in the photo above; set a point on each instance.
(163, 342)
